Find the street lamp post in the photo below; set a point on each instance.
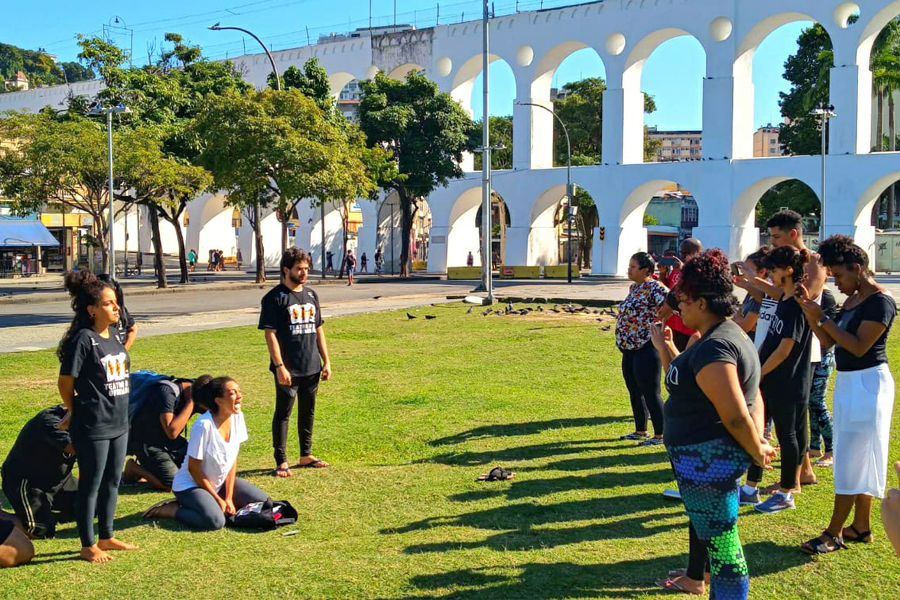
(486, 228)
(824, 112)
(570, 192)
(99, 109)
(257, 211)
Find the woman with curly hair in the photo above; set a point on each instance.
(785, 378)
(94, 386)
(863, 390)
(712, 430)
(641, 366)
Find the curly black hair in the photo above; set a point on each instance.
(758, 258)
(841, 250)
(86, 289)
(708, 276)
(788, 256)
(292, 256)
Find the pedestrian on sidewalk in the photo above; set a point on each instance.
(298, 356)
(363, 263)
(470, 260)
(351, 266)
(240, 260)
(192, 260)
(329, 262)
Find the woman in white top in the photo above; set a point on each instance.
(206, 487)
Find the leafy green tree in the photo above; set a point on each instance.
(312, 81)
(39, 67)
(885, 64)
(793, 194)
(500, 132)
(809, 73)
(426, 132)
(164, 97)
(57, 161)
(264, 146)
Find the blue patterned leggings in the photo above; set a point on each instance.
(707, 475)
(820, 424)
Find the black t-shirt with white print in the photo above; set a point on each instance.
(690, 416)
(789, 382)
(294, 316)
(100, 367)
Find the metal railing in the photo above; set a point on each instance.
(15, 267)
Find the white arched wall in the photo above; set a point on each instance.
(214, 229)
(461, 234)
(463, 83)
(405, 69)
(388, 231)
(543, 239)
(337, 82)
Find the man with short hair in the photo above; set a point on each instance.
(298, 356)
(37, 475)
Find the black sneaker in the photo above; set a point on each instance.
(634, 436)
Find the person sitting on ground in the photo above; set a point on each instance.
(156, 435)
(641, 366)
(37, 475)
(890, 513)
(207, 489)
(786, 373)
(863, 390)
(713, 429)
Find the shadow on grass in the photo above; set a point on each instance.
(623, 579)
(527, 428)
(537, 451)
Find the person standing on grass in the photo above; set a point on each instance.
(863, 390)
(94, 386)
(786, 373)
(641, 366)
(126, 329)
(689, 248)
(298, 356)
(757, 308)
(207, 488)
(713, 430)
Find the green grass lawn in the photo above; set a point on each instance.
(415, 412)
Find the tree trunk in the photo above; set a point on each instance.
(157, 247)
(182, 250)
(892, 131)
(284, 231)
(260, 250)
(345, 223)
(102, 232)
(879, 125)
(405, 232)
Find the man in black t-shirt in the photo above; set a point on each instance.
(298, 353)
(156, 436)
(37, 475)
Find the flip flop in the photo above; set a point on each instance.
(159, 504)
(316, 464)
(670, 585)
(824, 462)
(497, 474)
(279, 470)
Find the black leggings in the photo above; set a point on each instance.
(303, 389)
(641, 370)
(791, 427)
(99, 468)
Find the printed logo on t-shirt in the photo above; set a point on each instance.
(117, 379)
(777, 325)
(672, 376)
(303, 318)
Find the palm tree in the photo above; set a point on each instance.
(885, 65)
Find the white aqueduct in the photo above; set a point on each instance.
(727, 184)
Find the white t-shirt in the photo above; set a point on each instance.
(766, 312)
(206, 444)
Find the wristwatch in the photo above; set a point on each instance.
(823, 320)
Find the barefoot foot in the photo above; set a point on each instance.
(94, 554)
(114, 544)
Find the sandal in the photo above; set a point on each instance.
(824, 462)
(670, 585)
(316, 464)
(819, 545)
(864, 537)
(497, 474)
(282, 472)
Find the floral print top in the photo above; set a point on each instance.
(637, 312)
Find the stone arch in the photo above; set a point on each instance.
(403, 70)
(463, 232)
(337, 82)
(464, 79)
(542, 75)
(866, 202)
(872, 27)
(214, 228)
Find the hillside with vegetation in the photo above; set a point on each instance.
(39, 67)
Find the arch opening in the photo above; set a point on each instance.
(549, 231)
(388, 237)
(400, 72)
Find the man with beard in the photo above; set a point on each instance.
(298, 353)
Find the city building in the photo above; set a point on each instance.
(765, 142)
(674, 214)
(676, 145)
(348, 100)
(17, 83)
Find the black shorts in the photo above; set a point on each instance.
(38, 510)
(6, 528)
(163, 462)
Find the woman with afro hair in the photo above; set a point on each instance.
(712, 432)
(863, 390)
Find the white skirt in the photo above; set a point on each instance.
(863, 402)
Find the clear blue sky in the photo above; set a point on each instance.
(673, 74)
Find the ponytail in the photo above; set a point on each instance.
(86, 289)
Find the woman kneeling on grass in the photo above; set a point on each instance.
(711, 434)
(206, 487)
(863, 390)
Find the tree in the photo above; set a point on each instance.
(809, 73)
(500, 132)
(39, 67)
(263, 146)
(312, 81)
(426, 132)
(793, 194)
(57, 161)
(164, 97)
(885, 65)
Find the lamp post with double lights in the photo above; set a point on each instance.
(824, 112)
(571, 210)
(100, 109)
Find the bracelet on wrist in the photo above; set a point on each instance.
(822, 321)
(279, 365)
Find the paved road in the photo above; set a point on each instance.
(38, 325)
